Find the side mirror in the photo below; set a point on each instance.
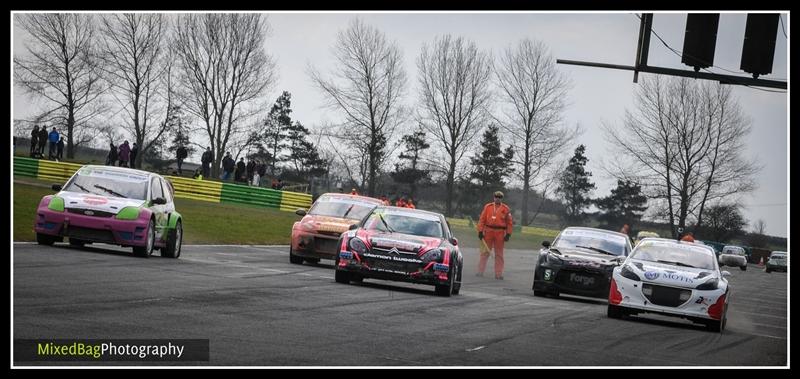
(159, 201)
(546, 244)
(726, 274)
(353, 227)
(300, 212)
(454, 241)
(56, 187)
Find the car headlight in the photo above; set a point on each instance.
(357, 245)
(553, 259)
(56, 204)
(709, 285)
(432, 255)
(628, 273)
(128, 213)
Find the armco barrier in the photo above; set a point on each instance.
(203, 190)
(262, 197)
(186, 188)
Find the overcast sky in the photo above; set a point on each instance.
(597, 96)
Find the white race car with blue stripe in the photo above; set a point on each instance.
(672, 278)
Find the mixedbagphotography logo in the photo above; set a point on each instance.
(111, 350)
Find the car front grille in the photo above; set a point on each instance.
(665, 296)
(90, 212)
(90, 234)
(581, 280)
(325, 245)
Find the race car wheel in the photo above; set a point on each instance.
(174, 242)
(767, 270)
(743, 268)
(146, 250)
(294, 259)
(718, 326)
(358, 278)
(342, 277)
(447, 289)
(615, 311)
(76, 242)
(44, 239)
(457, 286)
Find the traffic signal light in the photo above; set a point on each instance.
(759, 43)
(700, 40)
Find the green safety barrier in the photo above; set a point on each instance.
(185, 188)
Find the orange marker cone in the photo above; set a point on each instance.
(761, 262)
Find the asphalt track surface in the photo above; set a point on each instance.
(257, 309)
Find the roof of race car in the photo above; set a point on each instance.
(676, 244)
(129, 172)
(604, 231)
(348, 196)
(413, 211)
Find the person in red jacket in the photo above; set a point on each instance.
(494, 227)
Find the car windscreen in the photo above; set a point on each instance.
(109, 183)
(777, 256)
(340, 208)
(592, 240)
(675, 254)
(406, 223)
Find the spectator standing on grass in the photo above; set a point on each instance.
(134, 153)
(280, 185)
(60, 149)
(227, 166)
(260, 172)
(111, 158)
(43, 136)
(239, 174)
(34, 140)
(53, 138)
(206, 160)
(124, 154)
(180, 155)
(250, 170)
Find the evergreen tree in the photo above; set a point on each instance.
(180, 132)
(492, 165)
(411, 174)
(303, 155)
(574, 185)
(625, 205)
(276, 128)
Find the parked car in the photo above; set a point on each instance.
(777, 262)
(402, 244)
(733, 256)
(579, 262)
(672, 278)
(717, 246)
(114, 205)
(315, 236)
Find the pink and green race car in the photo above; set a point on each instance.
(113, 205)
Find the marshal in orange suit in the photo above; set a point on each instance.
(494, 227)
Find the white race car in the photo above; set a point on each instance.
(672, 278)
(733, 256)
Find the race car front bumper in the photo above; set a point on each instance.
(94, 229)
(691, 303)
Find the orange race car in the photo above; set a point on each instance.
(316, 234)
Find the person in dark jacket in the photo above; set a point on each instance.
(134, 153)
(228, 164)
(53, 138)
(261, 170)
(180, 155)
(111, 159)
(206, 160)
(60, 149)
(43, 136)
(34, 140)
(239, 174)
(251, 169)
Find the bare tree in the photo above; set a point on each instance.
(61, 67)
(135, 66)
(454, 98)
(367, 85)
(533, 94)
(685, 144)
(224, 69)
